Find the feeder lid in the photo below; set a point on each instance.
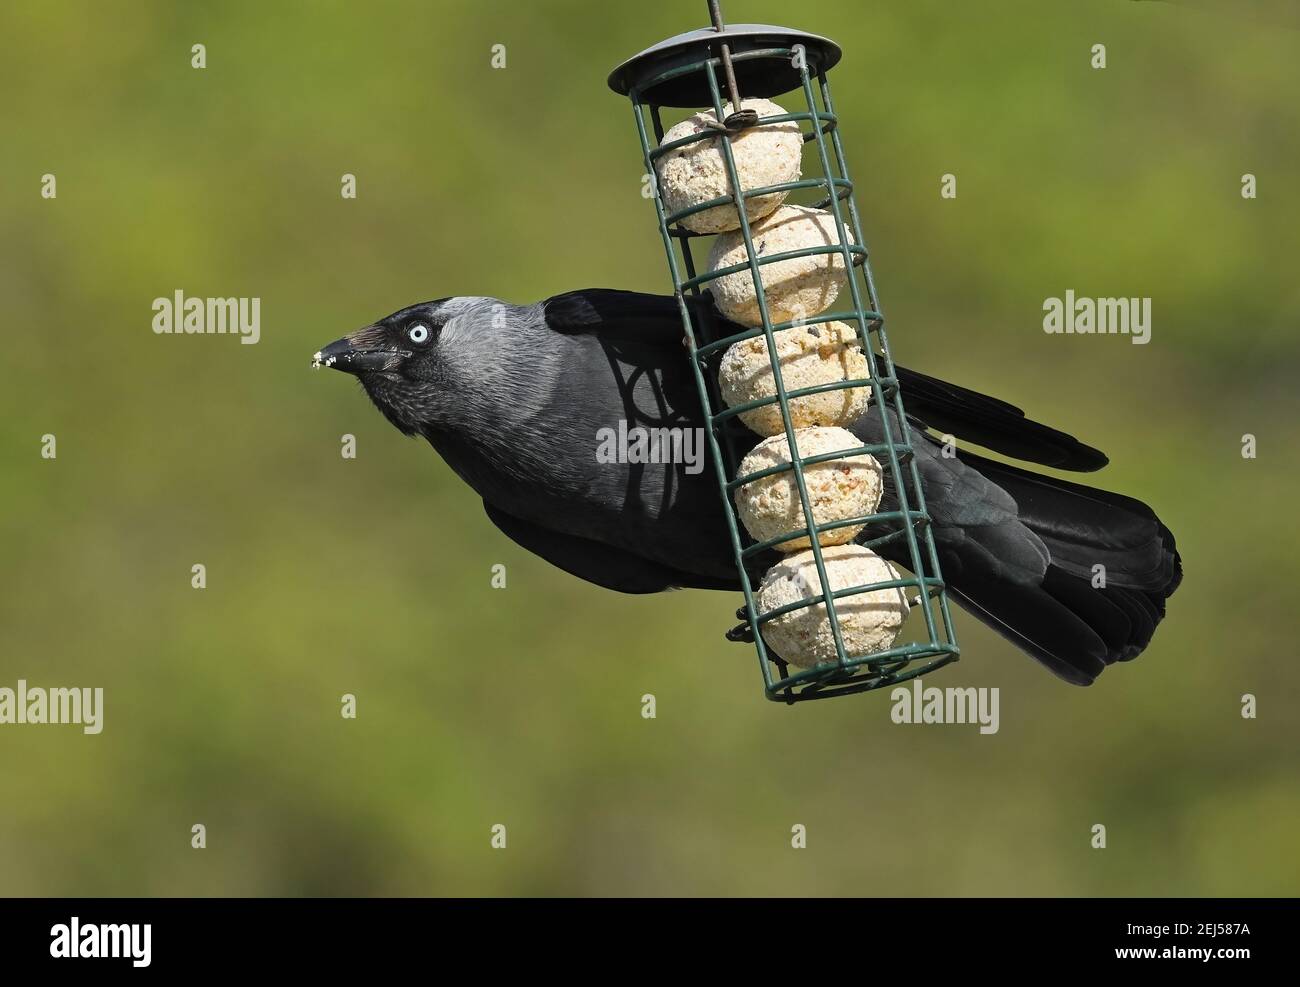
(758, 77)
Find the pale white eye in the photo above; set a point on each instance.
(418, 333)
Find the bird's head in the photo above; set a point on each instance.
(401, 362)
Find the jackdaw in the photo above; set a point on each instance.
(516, 399)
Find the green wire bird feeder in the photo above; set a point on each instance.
(756, 60)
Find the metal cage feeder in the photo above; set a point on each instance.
(760, 60)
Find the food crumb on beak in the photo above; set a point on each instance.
(315, 361)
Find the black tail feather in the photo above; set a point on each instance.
(1113, 565)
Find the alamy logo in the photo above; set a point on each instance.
(951, 705)
(639, 444)
(236, 316)
(77, 941)
(1098, 316)
(37, 705)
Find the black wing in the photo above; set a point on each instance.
(626, 315)
(945, 407)
(597, 562)
(992, 423)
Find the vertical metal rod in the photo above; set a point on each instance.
(895, 468)
(715, 13)
(787, 419)
(927, 536)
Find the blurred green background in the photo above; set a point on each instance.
(522, 706)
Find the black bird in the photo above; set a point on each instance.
(514, 398)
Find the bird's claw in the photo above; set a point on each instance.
(741, 633)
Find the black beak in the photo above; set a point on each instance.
(364, 351)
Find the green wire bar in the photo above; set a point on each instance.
(766, 62)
